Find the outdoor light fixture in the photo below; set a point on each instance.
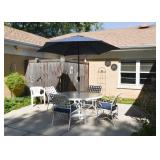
(62, 59)
(85, 60)
(37, 60)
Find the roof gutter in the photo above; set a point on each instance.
(21, 43)
(138, 46)
(135, 48)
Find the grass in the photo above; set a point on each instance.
(120, 100)
(19, 102)
(16, 103)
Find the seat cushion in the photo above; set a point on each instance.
(64, 109)
(106, 105)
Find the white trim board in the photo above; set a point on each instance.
(137, 85)
(30, 52)
(12, 50)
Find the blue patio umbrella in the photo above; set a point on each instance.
(77, 45)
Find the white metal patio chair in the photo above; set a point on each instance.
(62, 105)
(93, 89)
(112, 107)
(37, 92)
(48, 91)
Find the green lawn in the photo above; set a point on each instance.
(120, 100)
(16, 103)
(19, 102)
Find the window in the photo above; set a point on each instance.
(128, 72)
(147, 72)
(137, 72)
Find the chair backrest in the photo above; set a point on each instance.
(37, 91)
(59, 100)
(114, 102)
(50, 90)
(95, 88)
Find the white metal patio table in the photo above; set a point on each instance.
(80, 97)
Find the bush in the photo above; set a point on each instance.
(147, 130)
(16, 83)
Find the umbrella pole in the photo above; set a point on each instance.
(78, 70)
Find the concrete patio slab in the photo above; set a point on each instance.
(36, 121)
(41, 124)
(20, 114)
(8, 131)
(121, 127)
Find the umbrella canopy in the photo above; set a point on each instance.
(77, 45)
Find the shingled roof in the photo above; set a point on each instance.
(127, 37)
(22, 36)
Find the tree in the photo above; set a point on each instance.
(146, 101)
(52, 29)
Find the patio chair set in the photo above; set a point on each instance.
(74, 104)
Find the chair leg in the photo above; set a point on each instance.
(32, 101)
(111, 113)
(97, 112)
(85, 118)
(80, 112)
(44, 98)
(53, 118)
(69, 125)
(47, 106)
(95, 107)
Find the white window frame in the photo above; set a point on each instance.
(137, 85)
(138, 73)
(143, 72)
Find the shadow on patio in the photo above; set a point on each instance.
(39, 123)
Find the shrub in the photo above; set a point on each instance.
(147, 130)
(16, 83)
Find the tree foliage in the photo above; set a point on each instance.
(146, 101)
(51, 29)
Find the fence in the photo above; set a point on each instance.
(61, 75)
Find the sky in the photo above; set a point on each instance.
(112, 25)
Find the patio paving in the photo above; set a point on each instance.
(36, 121)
